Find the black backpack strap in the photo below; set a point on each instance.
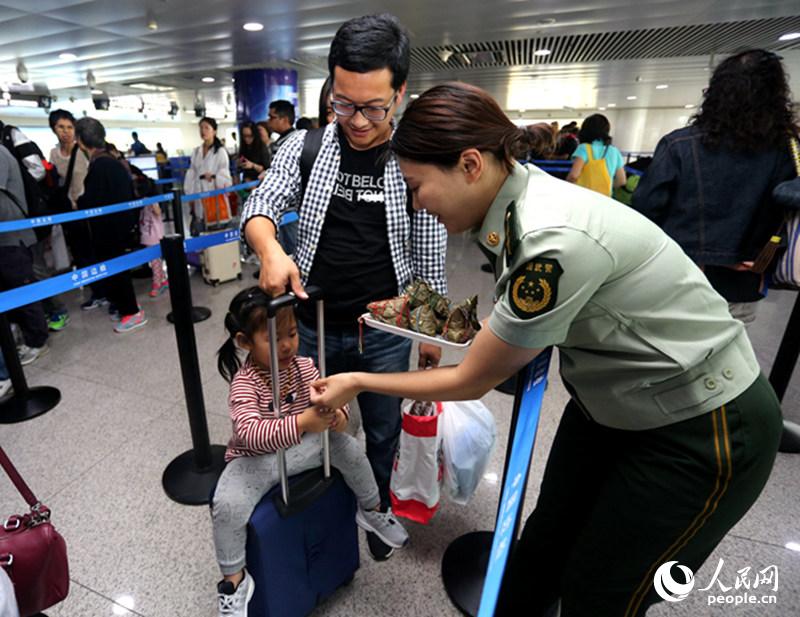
(311, 145)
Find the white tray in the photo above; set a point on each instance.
(417, 336)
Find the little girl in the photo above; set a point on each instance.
(151, 230)
(257, 435)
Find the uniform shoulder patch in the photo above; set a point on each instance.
(533, 288)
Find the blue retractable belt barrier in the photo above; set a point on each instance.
(203, 242)
(80, 215)
(510, 502)
(34, 292)
(161, 181)
(227, 189)
(633, 172)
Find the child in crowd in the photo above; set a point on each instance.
(151, 230)
(257, 435)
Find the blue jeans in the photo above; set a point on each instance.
(380, 415)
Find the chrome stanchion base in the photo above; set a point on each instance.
(199, 313)
(790, 438)
(463, 569)
(185, 483)
(35, 402)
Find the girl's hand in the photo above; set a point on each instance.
(339, 421)
(335, 391)
(314, 420)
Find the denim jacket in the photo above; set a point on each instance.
(716, 204)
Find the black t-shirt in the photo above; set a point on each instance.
(353, 262)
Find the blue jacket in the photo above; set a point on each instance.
(716, 204)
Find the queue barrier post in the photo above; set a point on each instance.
(190, 477)
(781, 374)
(198, 313)
(466, 559)
(25, 403)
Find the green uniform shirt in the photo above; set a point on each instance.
(643, 338)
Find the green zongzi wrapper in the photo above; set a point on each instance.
(462, 323)
(420, 293)
(393, 311)
(424, 320)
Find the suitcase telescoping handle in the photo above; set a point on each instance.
(289, 299)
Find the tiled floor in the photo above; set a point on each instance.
(97, 461)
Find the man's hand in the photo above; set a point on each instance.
(429, 355)
(278, 271)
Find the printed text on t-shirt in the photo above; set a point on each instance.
(359, 188)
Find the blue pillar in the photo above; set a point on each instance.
(256, 88)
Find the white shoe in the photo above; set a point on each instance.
(384, 525)
(5, 387)
(28, 355)
(233, 602)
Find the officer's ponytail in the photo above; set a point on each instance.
(453, 117)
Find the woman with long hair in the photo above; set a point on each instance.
(209, 170)
(671, 430)
(710, 184)
(254, 155)
(596, 164)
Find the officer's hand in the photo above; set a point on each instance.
(429, 355)
(278, 271)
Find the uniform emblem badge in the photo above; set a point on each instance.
(493, 239)
(533, 288)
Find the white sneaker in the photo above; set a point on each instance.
(5, 387)
(384, 525)
(233, 602)
(28, 355)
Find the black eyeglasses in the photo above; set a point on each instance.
(375, 113)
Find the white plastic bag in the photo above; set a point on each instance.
(468, 435)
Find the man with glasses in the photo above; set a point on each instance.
(358, 237)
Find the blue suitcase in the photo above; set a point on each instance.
(301, 550)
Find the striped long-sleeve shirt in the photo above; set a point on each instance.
(255, 429)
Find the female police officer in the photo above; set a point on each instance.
(671, 431)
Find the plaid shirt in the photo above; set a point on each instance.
(418, 251)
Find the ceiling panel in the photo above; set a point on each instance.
(598, 47)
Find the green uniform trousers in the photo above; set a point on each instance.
(614, 505)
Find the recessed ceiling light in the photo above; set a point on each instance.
(542, 52)
(67, 56)
(789, 36)
(413, 96)
(547, 21)
(601, 108)
(662, 86)
(253, 26)
(96, 91)
(611, 105)
(631, 98)
(208, 80)
(689, 105)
